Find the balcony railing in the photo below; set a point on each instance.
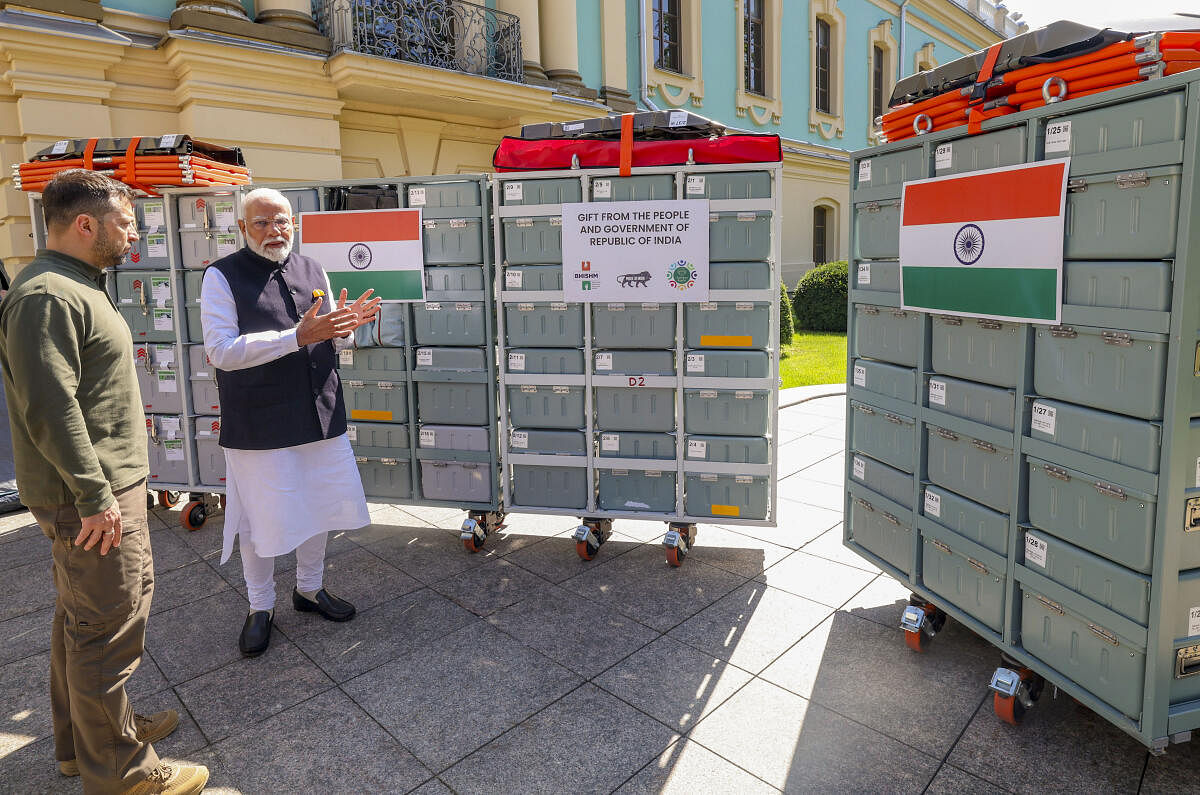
(448, 34)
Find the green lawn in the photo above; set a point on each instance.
(814, 357)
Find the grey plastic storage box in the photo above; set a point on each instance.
(632, 325)
(544, 441)
(889, 335)
(636, 444)
(372, 364)
(457, 278)
(386, 478)
(975, 152)
(449, 323)
(879, 477)
(739, 276)
(151, 213)
(457, 360)
(376, 401)
(159, 378)
(540, 325)
(978, 350)
(150, 250)
(1121, 371)
(532, 406)
(1105, 518)
(739, 236)
(199, 248)
(193, 282)
(884, 379)
(1113, 437)
(378, 439)
(202, 378)
(727, 449)
(549, 487)
(540, 191)
(165, 438)
(1145, 131)
(1124, 215)
(452, 241)
(887, 437)
(533, 240)
(644, 187)
(1115, 587)
(1118, 285)
(432, 196)
(971, 578)
(149, 324)
(736, 412)
(633, 362)
(967, 518)
(143, 289)
(727, 364)
(886, 172)
(882, 277)
(635, 490)
(635, 409)
(727, 185)
(216, 211)
(877, 229)
(989, 405)
(210, 456)
(972, 467)
(726, 496)
(533, 278)
(465, 403)
(544, 360)
(727, 324)
(466, 481)
(880, 531)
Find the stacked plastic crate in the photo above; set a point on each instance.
(1033, 481)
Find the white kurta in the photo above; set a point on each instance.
(277, 499)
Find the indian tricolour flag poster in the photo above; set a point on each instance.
(986, 244)
(362, 249)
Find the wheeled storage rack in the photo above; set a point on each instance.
(1038, 483)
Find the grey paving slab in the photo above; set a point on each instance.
(23, 546)
(456, 694)
(376, 636)
(752, 626)
(384, 523)
(33, 768)
(437, 517)
(170, 551)
(493, 586)
(27, 588)
(250, 690)
(796, 525)
(1063, 747)
(799, 488)
(427, 554)
(860, 669)
(793, 420)
(16, 525)
(584, 636)
(829, 546)
(799, 746)
(1174, 772)
(555, 560)
(588, 741)
(834, 430)
(643, 531)
(832, 406)
(24, 702)
(729, 548)
(687, 768)
(326, 744)
(198, 637)
(673, 682)
(882, 601)
(25, 635)
(433, 787)
(642, 586)
(821, 580)
(830, 471)
(952, 781)
(806, 451)
(184, 585)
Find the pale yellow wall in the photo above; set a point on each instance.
(808, 181)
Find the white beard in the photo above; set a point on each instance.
(275, 256)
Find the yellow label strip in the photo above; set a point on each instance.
(736, 341)
(363, 414)
(726, 510)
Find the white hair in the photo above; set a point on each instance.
(264, 194)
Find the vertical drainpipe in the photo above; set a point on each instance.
(903, 20)
(643, 86)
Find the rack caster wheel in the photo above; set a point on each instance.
(590, 535)
(194, 515)
(168, 499)
(1014, 692)
(680, 538)
(473, 534)
(921, 621)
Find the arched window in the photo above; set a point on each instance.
(820, 234)
(822, 75)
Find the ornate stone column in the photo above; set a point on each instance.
(531, 38)
(560, 47)
(614, 90)
(80, 9)
(286, 22)
(290, 14)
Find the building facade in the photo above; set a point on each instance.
(333, 89)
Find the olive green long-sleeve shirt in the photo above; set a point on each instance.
(79, 432)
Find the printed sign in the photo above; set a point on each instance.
(635, 251)
(1035, 550)
(1058, 136)
(514, 191)
(864, 273)
(695, 185)
(156, 245)
(864, 170)
(520, 440)
(695, 362)
(1042, 418)
(610, 442)
(986, 244)
(516, 361)
(224, 216)
(933, 504)
(697, 448)
(943, 156)
(1194, 621)
(860, 375)
(153, 215)
(860, 468)
(368, 249)
(416, 197)
(937, 392)
(512, 278)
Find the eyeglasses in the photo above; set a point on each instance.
(262, 224)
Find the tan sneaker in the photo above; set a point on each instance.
(149, 730)
(172, 780)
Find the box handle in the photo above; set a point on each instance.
(1187, 661)
(869, 310)
(1132, 179)
(899, 314)
(896, 418)
(1056, 472)
(1111, 491)
(1104, 634)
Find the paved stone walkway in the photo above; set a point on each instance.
(772, 660)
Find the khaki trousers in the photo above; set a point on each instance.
(96, 643)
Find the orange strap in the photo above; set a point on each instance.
(626, 144)
(979, 90)
(87, 153)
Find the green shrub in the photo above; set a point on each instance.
(820, 302)
(787, 327)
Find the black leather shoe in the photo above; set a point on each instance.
(327, 605)
(256, 633)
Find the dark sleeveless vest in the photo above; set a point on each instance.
(295, 399)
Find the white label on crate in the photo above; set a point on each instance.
(226, 245)
(512, 278)
(933, 504)
(942, 156)
(173, 450)
(523, 223)
(562, 390)
(695, 362)
(162, 320)
(385, 385)
(864, 170)
(604, 361)
(156, 245)
(937, 392)
(168, 140)
(346, 356)
(59, 147)
(352, 433)
(747, 216)
(610, 441)
(516, 361)
(458, 223)
(424, 357)
(695, 185)
(860, 375)
(160, 289)
(167, 382)
(463, 306)
(616, 307)
(860, 468)
(697, 448)
(169, 426)
(864, 273)
(520, 440)
(1042, 419)
(1058, 136)
(602, 189)
(164, 354)
(153, 215)
(416, 197)
(528, 388)
(1194, 621)
(1035, 550)
(572, 126)
(514, 191)
(743, 306)
(433, 306)
(743, 394)
(678, 118)
(558, 306)
(223, 215)
(708, 306)
(708, 394)
(649, 306)
(428, 437)
(743, 479)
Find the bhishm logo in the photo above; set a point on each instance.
(681, 275)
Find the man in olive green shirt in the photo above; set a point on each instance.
(79, 444)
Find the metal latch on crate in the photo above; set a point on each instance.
(1187, 661)
(1077, 185)
(864, 409)
(867, 309)
(1191, 515)
(1116, 338)
(947, 435)
(1060, 474)
(1053, 607)
(1111, 491)
(979, 567)
(990, 325)
(1104, 634)
(864, 504)
(939, 546)
(871, 207)
(950, 320)
(891, 518)
(986, 447)
(1065, 332)
(1132, 179)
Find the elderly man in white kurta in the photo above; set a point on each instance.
(291, 476)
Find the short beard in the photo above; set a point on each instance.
(108, 250)
(261, 250)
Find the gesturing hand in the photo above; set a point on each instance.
(104, 527)
(318, 328)
(365, 309)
